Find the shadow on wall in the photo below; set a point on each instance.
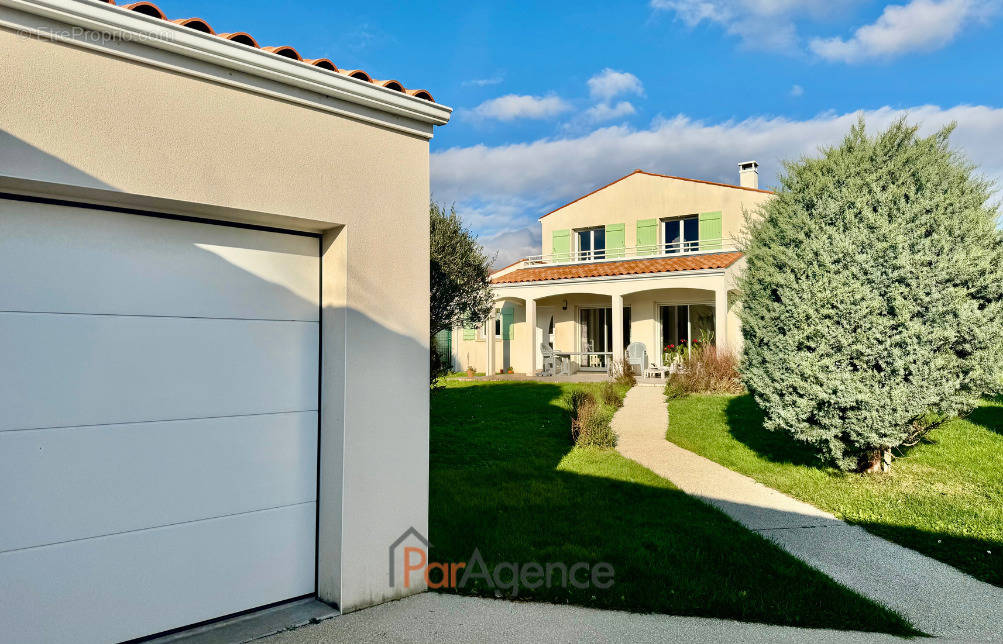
(19, 158)
(379, 446)
(505, 480)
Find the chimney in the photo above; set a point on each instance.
(748, 174)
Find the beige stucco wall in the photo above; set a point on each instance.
(642, 196)
(564, 300)
(95, 126)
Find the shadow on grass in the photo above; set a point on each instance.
(745, 422)
(989, 416)
(505, 480)
(977, 557)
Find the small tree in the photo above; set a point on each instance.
(872, 295)
(460, 289)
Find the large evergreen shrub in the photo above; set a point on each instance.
(872, 295)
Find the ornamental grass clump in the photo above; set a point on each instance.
(591, 420)
(872, 299)
(610, 395)
(704, 370)
(623, 374)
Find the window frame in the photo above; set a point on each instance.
(684, 245)
(592, 253)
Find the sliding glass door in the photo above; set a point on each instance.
(595, 328)
(681, 324)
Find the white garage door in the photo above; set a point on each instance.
(158, 421)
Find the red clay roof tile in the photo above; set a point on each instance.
(242, 37)
(357, 73)
(195, 23)
(284, 51)
(625, 267)
(152, 10)
(323, 63)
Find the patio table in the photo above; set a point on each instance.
(565, 357)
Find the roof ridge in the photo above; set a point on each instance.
(655, 174)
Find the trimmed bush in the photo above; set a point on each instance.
(873, 295)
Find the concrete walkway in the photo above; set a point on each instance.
(936, 598)
(431, 617)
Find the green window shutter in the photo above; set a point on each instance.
(647, 236)
(615, 240)
(710, 229)
(506, 330)
(469, 333)
(561, 247)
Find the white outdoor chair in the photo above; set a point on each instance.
(637, 356)
(549, 360)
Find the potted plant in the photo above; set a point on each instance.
(470, 371)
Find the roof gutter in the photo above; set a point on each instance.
(107, 19)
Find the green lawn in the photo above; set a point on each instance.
(944, 497)
(505, 479)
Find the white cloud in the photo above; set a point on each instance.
(512, 245)
(507, 187)
(607, 112)
(797, 90)
(515, 106)
(759, 24)
(610, 83)
(919, 26)
(484, 82)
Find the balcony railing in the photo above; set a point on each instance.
(675, 249)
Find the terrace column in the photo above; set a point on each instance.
(531, 339)
(721, 318)
(489, 344)
(617, 328)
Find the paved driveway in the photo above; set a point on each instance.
(431, 617)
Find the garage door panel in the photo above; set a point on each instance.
(63, 484)
(78, 260)
(128, 585)
(97, 369)
(158, 421)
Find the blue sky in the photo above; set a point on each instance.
(553, 99)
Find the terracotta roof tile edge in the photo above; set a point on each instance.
(654, 174)
(197, 24)
(507, 267)
(505, 279)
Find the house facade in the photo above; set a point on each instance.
(206, 244)
(648, 259)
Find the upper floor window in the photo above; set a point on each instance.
(681, 234)
(591, 244)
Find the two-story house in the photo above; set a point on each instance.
(648, 258)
